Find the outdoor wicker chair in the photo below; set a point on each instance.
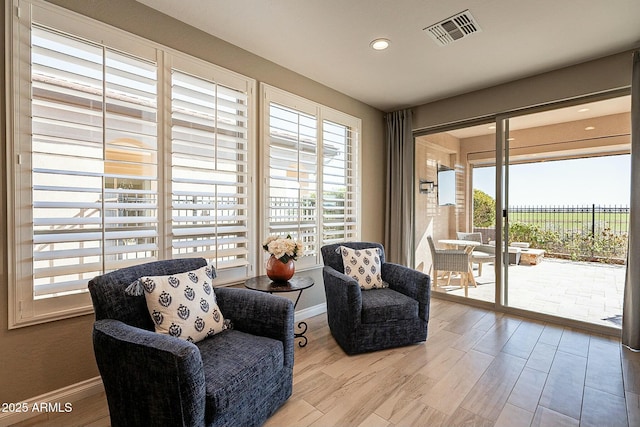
(451, 261)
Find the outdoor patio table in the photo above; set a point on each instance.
(457, 243)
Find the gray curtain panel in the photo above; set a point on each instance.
(399, 206)
(631, 306)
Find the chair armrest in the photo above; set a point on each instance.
(259, 313)
(452, 260)
(344, 297)
(488, 249)
(412, 283)
(163, 373)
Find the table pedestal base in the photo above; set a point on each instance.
(295, 284)
(303, 327)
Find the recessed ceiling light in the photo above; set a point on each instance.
(583, 110)
(380, 44)
(491, 127)
(589, 128)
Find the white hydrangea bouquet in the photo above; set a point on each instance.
(283, 248)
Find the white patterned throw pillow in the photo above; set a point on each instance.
(364, 266)
(184, 305)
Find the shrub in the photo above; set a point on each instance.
(484, 209)
(537, 237)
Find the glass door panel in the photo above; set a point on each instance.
(567, 175)
(451, 168)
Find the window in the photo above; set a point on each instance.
(310, 172)
(210, 173)
(292, 181)
(95, 120)
(93, 161)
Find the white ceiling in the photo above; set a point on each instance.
(328, 40)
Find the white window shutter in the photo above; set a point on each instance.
(339, 182)
(210, 173)
(94, 161)
(311, 172)
(293, 175)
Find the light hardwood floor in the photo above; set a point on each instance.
(477, 368)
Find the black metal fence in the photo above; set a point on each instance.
(592, 232)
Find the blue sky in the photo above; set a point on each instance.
(599, 180)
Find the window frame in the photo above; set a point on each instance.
(270, 94)
(23, 308)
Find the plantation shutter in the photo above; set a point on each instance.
(210, 172)
(94, 161)
(292, 175)
(339, 182)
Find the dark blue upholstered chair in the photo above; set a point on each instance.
(362, 321)
(238, 377)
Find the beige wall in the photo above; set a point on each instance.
(39, 359)
(601, 75)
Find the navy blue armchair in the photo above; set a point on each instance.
(368, 320)
(238, 377)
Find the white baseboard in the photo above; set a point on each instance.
(308, 312)
(60, 400)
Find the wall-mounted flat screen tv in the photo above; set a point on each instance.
(446, 186)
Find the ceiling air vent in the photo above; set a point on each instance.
(451, 29)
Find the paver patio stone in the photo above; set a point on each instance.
(590, 292)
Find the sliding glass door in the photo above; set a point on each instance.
(544, 196)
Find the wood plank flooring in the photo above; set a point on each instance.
(477, 368)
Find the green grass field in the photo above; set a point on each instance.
(582, 220)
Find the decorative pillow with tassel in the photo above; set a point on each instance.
(182, 305)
